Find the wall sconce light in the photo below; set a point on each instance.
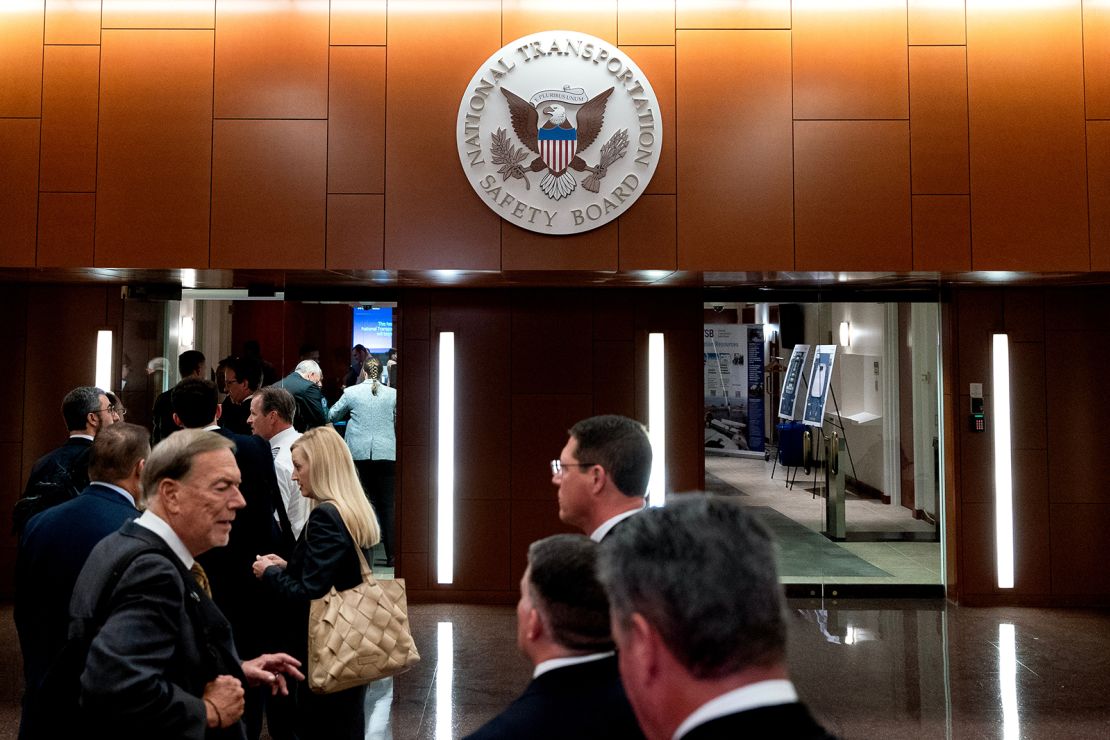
(187, 334)
(103, 374)
(445, 465)
(1003, 473)
(657, 420)
(845, 334)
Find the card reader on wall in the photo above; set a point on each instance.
(977, 421)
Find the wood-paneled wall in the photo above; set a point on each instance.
(1059, 349)
(805, 135)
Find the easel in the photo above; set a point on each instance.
(838, 424)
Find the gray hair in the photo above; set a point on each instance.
(172, 458)
(562, 581)
(275, 398)
(78, 404)
(305, 368)
(702, 572)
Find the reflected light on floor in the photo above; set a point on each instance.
(1007, 681)
(445, 678)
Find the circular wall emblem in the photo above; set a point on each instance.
(559, 132)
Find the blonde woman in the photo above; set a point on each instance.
(340, 518)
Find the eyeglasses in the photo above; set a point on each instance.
(558, 465)
(119, 411)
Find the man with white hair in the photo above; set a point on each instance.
(304, 384)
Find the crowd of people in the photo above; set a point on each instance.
(152, 561)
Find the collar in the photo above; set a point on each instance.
(121, 491)
(599, 534)
(158, 525)
(81, 435)
(284, 438)
(212, 428)
(556, 663)
(753, 696)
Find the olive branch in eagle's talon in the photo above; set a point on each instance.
(611, 152)
(509, 157)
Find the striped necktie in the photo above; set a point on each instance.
(201, 578)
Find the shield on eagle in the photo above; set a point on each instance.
(557, 147)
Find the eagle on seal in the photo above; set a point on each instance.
(557, 142)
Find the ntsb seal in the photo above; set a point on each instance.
(559, 132)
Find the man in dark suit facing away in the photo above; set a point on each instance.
(304, 384)
(56, 543)
(563, 628)
(190, 364)
(262, 526)
(699, 621)
(161, 662)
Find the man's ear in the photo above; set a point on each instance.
(642, 648)
(219, 411)
(534, 627)
(137, 471)
(177, 420)
(169, 495)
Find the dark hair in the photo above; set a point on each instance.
(189, 361)
(618, 444)
(248, 370)
(701, 570)
(78, 404)
(276, 398)
(564, 588)
(116, 450)
(194, 401)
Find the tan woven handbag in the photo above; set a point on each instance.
(359, 635)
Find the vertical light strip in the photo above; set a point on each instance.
(103, 378)
(657, 419)
(445, 465)
(445, 678)
(1007, 681)
(1003, 474)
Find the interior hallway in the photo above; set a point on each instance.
(869, 669)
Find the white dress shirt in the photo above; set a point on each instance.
(158, 525)
(752, 696)
(555, 663)
(296, 505)
(599, 534)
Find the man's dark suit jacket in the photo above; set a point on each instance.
(162, 642)
(233, 416)
(254, 532)
(54, 547)
(579, 701)
(310, 407)
(782, 720)
(73, 456)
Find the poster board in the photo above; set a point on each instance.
(733, 381)
(820, 378)
(793, 381)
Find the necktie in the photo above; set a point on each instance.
(201, 578)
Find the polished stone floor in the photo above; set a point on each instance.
(868, 669)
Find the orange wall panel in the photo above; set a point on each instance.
(522, 17)
(72, 22)
(356, 120)
(942, 233)
(19, 175)
(356, 225)
(1028, 168)
(938, 119)
(66, 224)
(658, 65)
(71, 77)
(272, 64)
(1096, 57)
(358, 22)
(1098, 177)
(850, 61)
(852, 190)
(21, 28)
(648, 238)
(154, 149)
(526, 250)
(732, 14)
(160, 14)
(734, 175)
(933, 22)
(645, 23)
(433, 219)
(269, 194)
